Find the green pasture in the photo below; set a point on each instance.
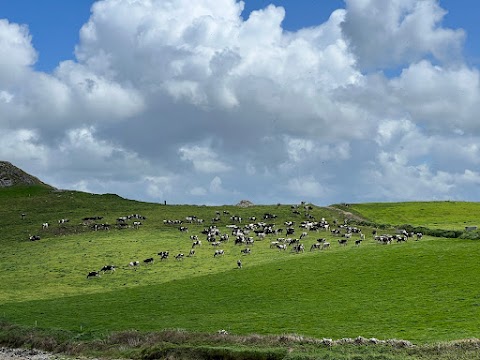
(423, 291)
(446, 215)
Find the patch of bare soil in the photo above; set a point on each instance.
(347, 214)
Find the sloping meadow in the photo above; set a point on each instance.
(423, 291)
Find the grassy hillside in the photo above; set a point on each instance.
(423, 291)
(447, 215)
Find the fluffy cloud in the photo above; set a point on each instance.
(203, 159)
(17, 54)
(189, 102)
(385, 34)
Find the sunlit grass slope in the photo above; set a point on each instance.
(420, 290)
(447, 215)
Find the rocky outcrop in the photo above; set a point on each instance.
(245, 203)
(10, 175)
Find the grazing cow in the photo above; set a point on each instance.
(419, 236)
(239, 240)
(179, 256)
(317, 246)
(45, 226)
(239, 264)
(358, 242)
(383, 239)
(163, 255)
(298, 248)
(148, 261)
(134, 263)
(304, 234)
(93, 274)
(282, 247)
(34, 237)
(224, 237)
(108, 268)
(326, 245)
(219, 253)
(342, 242)
(63, 221)
(136, 224)
(246, 251)
(191, 253)
(196, 243)
(261, 235)
(183, 228)
(194, 237)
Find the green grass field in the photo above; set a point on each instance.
(423, 291)
(447, 215)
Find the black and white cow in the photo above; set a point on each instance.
(281, 247)
(298, 248)
(163, 255)
(149, 261)
(34, 237)
(196, 243)
(106, 268)
(92, 274)
(219, 253)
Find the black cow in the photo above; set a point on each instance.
(108, 268)
(93, 274)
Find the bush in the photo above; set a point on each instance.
(166, 351)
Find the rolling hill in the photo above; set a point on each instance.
(422, 291)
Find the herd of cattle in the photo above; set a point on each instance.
(244, 233)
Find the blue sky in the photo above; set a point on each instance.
(328, 101)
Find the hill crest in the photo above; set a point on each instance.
(10, 175)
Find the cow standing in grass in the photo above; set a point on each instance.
(92, 274)
(219, 253)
